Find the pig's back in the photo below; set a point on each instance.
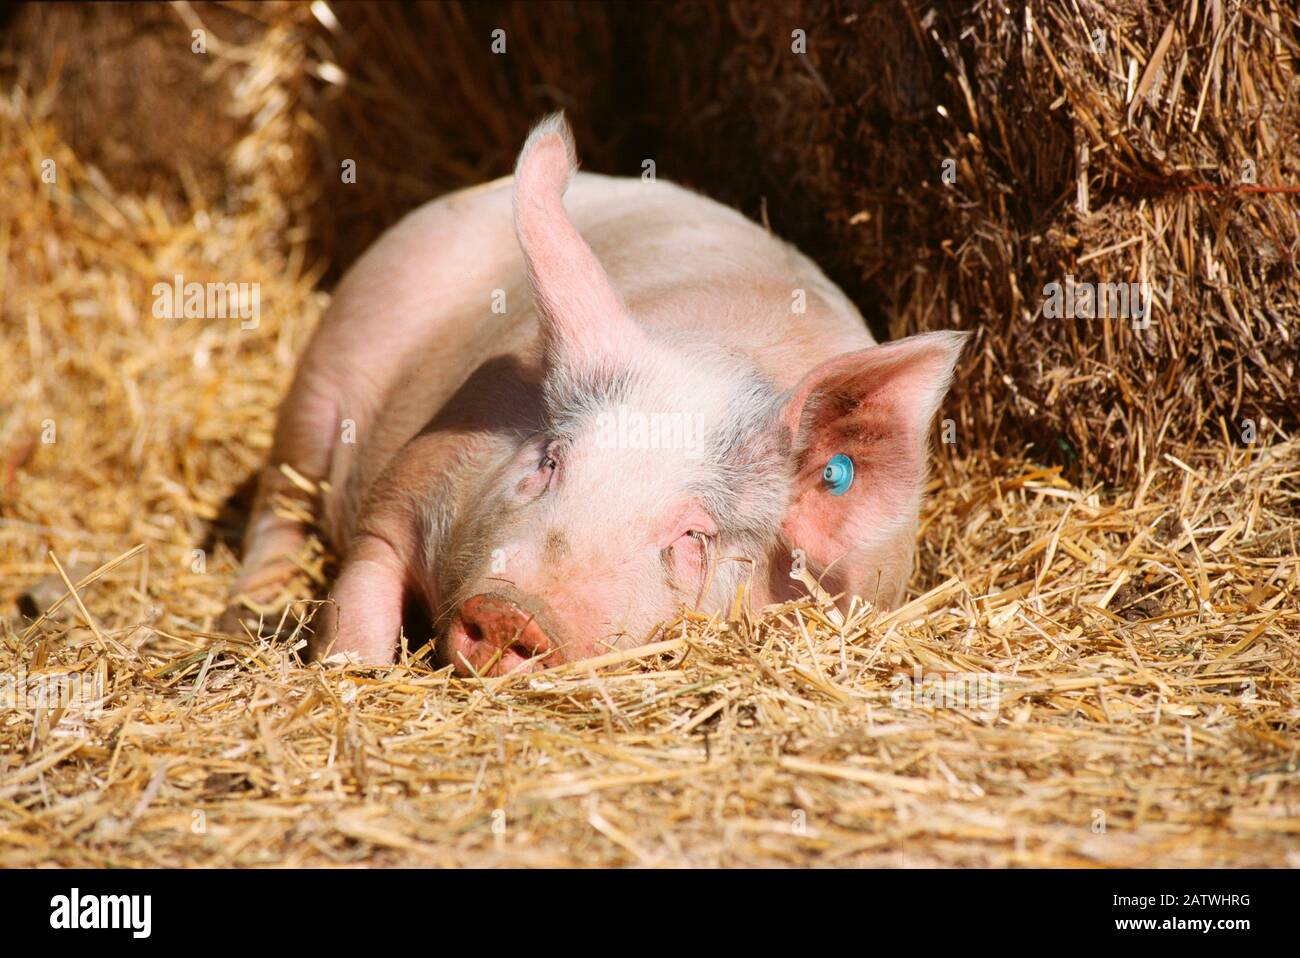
(684, 262)
(445, 290)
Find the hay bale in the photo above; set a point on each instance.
(416, 98)
(133, 100)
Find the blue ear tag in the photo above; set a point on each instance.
(838, 474)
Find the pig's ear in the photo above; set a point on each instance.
(874, 408)
(583, 320)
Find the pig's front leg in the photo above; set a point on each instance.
(364, 615)
(304, 440)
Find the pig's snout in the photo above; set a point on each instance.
(495, 636)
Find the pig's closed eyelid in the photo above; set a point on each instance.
(539, 478)
(696, 523)
(551, 453)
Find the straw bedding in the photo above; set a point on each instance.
(1127, 605)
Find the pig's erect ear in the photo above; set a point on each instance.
(873, 407)
(584, 321)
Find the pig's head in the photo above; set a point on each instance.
(669, 472)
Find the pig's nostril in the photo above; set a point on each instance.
(497, 636)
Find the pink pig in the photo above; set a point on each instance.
(556, 408)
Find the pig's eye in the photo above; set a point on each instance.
(693, 532)
(688, 555)
(550, 457)
(691, 543)
(539, 480)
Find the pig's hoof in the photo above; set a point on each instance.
(239, 619)
(243, 617)
(271, 601)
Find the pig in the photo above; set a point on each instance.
(556, 409)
